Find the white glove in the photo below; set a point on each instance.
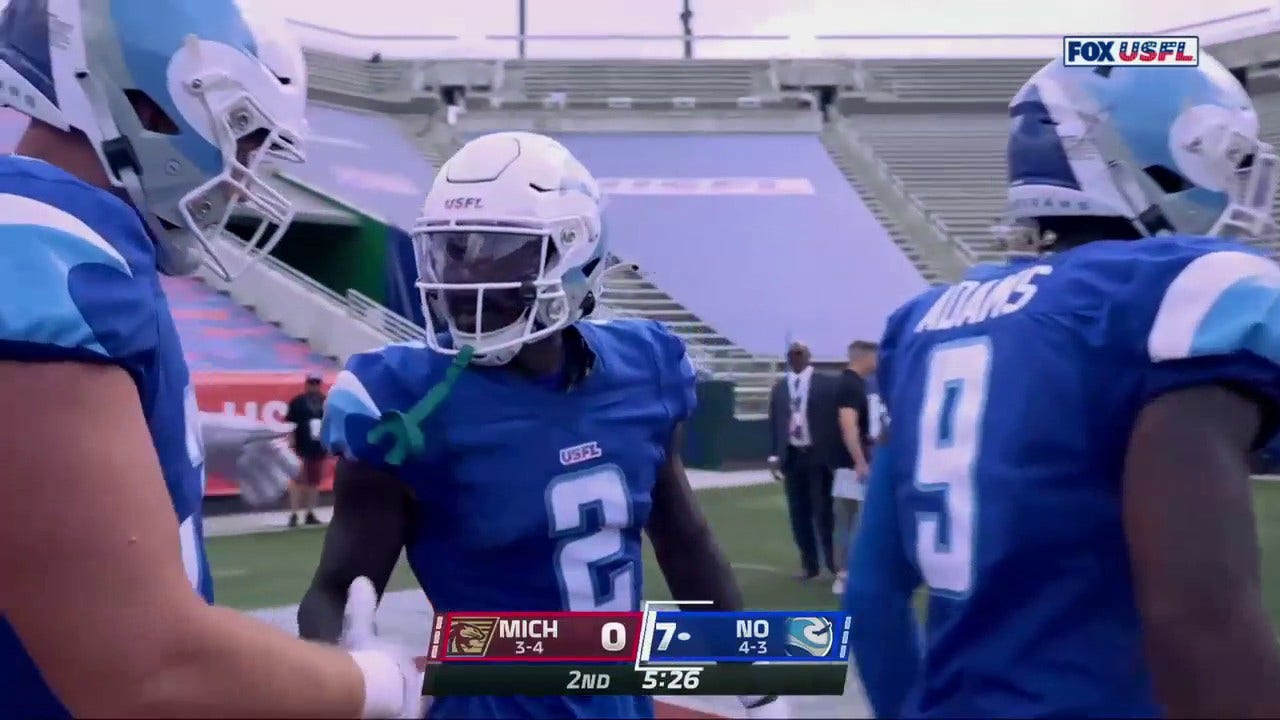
(766, 707)
(392, 680)
(249, 452)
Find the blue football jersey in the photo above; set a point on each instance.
(530, 497)
(78, 282)
(1013, 394)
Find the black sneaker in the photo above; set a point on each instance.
(293, 520)
(312, 519)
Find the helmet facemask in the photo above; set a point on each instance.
(187, 183)
(499, 286)
(1251, 189)
(247, 131)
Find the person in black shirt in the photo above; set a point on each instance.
(854, 411)
(305, 412)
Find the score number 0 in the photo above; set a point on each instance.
(613, 637)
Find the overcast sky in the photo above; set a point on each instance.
(473, 19)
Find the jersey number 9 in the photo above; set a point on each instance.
(955, 400)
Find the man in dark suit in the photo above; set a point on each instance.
(805, 446)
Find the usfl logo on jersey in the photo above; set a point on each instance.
(580, 453)
(1122, 51)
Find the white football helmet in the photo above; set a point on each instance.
(231, 83)
(509, 245)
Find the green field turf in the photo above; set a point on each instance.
(273, 569)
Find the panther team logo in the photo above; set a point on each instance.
(1122, 51)
(470, 636)
(809, 637)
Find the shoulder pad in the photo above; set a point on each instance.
(1221, 301)
(663, 349)
(893, 330)
(372, 388)
(66, 291)
(1194, 311)
(675, 370)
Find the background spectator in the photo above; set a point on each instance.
(856, 419)
(805, 442)
(305, 412)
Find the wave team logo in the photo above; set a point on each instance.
(1132, 51)
(809, 637)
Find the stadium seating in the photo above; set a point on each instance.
(953, 163)
(636, 79)
(771, 260)
(219, 335)
(626, 293)
(364, 160)
(949, 80)
(883, 215)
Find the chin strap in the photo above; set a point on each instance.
(405, 429)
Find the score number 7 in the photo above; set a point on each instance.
(668, 630)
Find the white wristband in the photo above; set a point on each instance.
(383, 684)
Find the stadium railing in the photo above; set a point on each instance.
(379, 316)
(619, 39)
(855, 143)
(332, 324)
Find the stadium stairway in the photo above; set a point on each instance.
(333, 325)
(627, 293)
(952, 163)
(893, 223)
(435, 139)
(220, 336)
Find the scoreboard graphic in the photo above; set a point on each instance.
(662, 650)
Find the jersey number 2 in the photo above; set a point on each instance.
(955, 400)
(588, 510)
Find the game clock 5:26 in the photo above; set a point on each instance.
(670, 679)
(666, 680)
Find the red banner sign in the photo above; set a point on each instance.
(264, 396)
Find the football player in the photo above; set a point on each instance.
(149, 121)
(520, 452)
(1067, 472)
